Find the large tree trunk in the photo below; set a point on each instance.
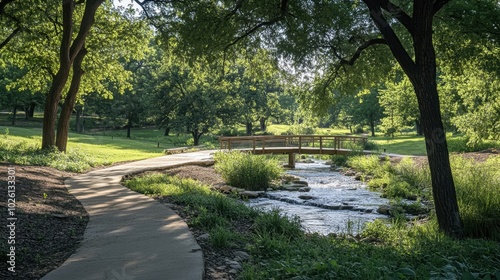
(69, 102)
(248, 128)
(167, 131)
(422, 74)
(59, 80)
(67, 54)
(129, 126)
(196, 136)
(31, 110)
(263, 125)
(372, 128)
(443, 187)
(425, 85)
(418, 126)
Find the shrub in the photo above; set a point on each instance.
(339, 160)
(358, 129)
(251, 172)
(300, 129)
(462, 145)
(369, 165)
(228, 131)
(371, 146)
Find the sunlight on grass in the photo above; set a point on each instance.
(403, 144)
(104, 148)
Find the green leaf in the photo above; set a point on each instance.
(406, 271)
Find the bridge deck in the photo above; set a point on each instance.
(297, 150)
(294, 144)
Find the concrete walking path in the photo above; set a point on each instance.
(129, 235)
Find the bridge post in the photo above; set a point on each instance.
(291, 160)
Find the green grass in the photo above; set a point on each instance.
(279, 249)
(250, 172)
(412, 144)
(401, 144)
(477, 185)
(21, 144)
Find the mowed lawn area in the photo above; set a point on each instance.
(105, 148)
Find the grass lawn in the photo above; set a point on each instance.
(104, 148)
(406, 144)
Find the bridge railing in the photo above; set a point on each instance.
(298, 141)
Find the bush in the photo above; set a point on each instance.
(300, 129)
(339, 160)
(371, 146)
(227, 131)
(369, 165)
(463, 145)
(251, 172)
(358, 129)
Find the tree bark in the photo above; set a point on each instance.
(418, 126)
(372, 128)
(422, 74)
(425, 85)
(248, 128)
(167, 131)
(196, 136)
(263, 126)
(31, 110)
(78, 119)
(59, 80)
(69, 102)
(129, 126)
(67, 54)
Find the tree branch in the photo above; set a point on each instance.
(10, 37)
(438, 5)
(398, 13)
(392, 40)
(367, 44)
(234, 10)
(282, 13)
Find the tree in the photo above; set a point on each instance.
(400, 106)
(253, 82)
(341, 31)
(71, 50)
(115, 36)
(367, 110)
(192, 97)
(477, 110)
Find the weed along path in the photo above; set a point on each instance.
(130, 235)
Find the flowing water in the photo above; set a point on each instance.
(339, 203)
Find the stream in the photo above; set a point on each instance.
(335, 204)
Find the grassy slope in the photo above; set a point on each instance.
(106, 148)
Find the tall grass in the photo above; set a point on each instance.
(251, 172)
(280, 250)
(478, 195)
(477, 185)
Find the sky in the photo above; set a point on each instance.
(125, 3)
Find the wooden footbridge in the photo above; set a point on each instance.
(293, 144)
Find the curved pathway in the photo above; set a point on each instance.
(129, 235)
